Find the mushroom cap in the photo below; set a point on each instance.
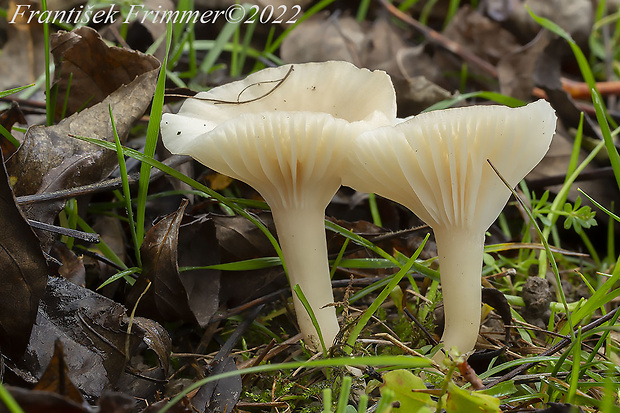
(290, 137)
(436, 163)
(338, 89)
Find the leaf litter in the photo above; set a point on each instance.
(133, 346)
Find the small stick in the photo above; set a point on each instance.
(438, 38)
(103, 186)
(84, 236)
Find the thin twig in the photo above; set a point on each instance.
(438, 38)
(417, 322)
(103, 186)
(278, 82)
(84, 236)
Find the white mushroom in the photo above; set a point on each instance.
(289, 141)
(436, 165)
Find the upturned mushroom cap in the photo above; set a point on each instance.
(286, 132)
(337, 89)
(436, 165)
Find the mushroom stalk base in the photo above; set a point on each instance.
(301, 233)
(460, 254)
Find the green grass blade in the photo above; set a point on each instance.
(245, 265)
(126, 190)
(66, 101)
(343, 396)
(385, 403)
(7, 135)
(559, 201)
(362, 10)
(71, 210)
(602, 296)
(327, 400)
(8, 92)
(245, 48)
(361, 241)
(8, 400)
(310, 311)
(393, 361)
(268, 262)
(121, 274)
(574, 374)
(374, 210)
(152, 135)
(601, 207)
(363, 320)
(362, 405)
(601, 117)
(338, 260)
(223, 38)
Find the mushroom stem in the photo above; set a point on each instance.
(301, 232)
(460, 252)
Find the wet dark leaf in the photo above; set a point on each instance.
(575, 17)
(222, 395)
(478, 35)
(141, 380)
(24, 273)
(92, 331)
(240, 239)
(156, 338)
(45, 148)
(55, 378)
(90, 70)
(547, 75)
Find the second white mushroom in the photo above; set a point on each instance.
(436, 165)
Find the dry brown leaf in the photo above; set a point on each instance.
(90, 70)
